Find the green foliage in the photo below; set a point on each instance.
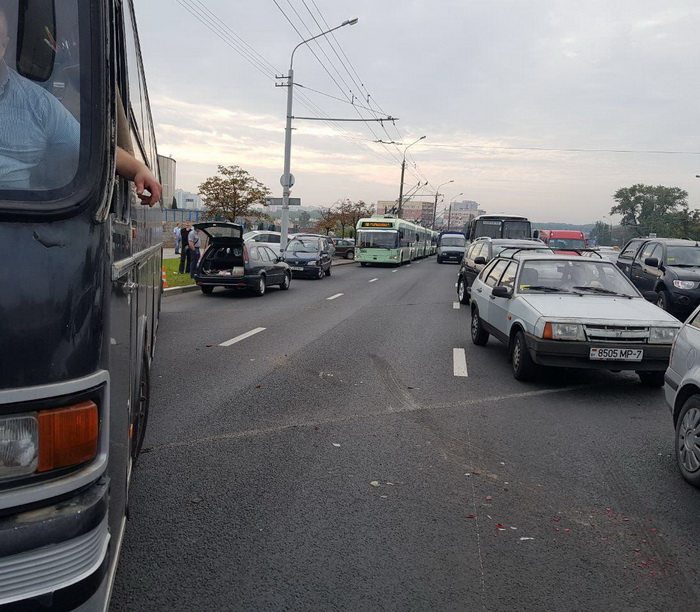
(233, 194)
(656, 209)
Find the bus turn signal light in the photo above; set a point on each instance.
(67, 436)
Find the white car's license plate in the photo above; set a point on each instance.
(616, 354)
(296, 268)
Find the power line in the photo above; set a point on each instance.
(565, 150)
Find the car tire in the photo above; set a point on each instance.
(664, 301)
(651, 379)
(261, 287)
(328, 272)
(479, 335)
(686, 442)
(284, 285)
(350, 255)
(206, 289)
(521, 361)
(462, 291)
(320, 274)
(439, 260)
(363, 263)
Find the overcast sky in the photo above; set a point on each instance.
(499, 88)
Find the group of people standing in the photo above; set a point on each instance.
(187, 246)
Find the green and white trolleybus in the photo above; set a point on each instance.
(385, 239)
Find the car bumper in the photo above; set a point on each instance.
(298, 270)
(671, 383)
(451, 256)
(58, 553)
(684, 302)
(562, 354)
(240, 282)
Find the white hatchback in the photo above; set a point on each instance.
(269, 239)
(571, 312)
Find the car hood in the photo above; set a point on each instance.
(598, 308)
(683, 273)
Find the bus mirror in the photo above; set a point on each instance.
(536, 234)
(36, 39)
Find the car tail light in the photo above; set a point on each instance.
(67, 436)
(245, 253)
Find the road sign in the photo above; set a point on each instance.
(280, 201)
(287, 180)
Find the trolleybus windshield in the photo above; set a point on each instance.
(377, 239)
(44, 98)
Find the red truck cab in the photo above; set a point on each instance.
(567, 242)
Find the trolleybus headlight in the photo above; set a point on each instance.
(48, 440)
(19, 445)
(662, 335)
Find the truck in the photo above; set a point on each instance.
(568, 242)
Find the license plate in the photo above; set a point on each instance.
(616, 354)
(296, 269)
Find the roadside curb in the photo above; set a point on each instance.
(176, 290)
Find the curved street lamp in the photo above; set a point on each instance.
(437, 193)
(403, 169)
(287, 179)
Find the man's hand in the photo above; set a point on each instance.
(132, 169)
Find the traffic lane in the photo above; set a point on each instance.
(288, 520)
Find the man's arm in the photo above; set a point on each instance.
(132, 169)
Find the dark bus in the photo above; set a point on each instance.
(80, 296)
(499, 226)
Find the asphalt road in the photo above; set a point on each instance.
(334, 460)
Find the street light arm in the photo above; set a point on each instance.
(303, 42)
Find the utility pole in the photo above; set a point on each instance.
(437, 193)
(403, 169)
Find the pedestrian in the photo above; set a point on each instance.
(177, 237)
(193, 244)
(185, 249)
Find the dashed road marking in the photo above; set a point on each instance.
(459, 357)
(333, 297)
(374, 280)
(394, 271)
(456, 305)
(252, 332)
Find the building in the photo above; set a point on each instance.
(168, 175)
(187, 200)
(417, 211)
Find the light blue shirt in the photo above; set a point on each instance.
(39, 138)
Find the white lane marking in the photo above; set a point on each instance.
(374, 280)
(459, 357)
(394, 270)
(455, 285)
(333, 297)
(456, 305)
(252, 332)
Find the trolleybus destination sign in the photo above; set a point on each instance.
(377, 224)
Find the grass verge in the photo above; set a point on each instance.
(174, 279)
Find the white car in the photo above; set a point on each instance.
(682, 390)
(269, 239)
(573, 312)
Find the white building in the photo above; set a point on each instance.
(188, 201)
(168, 167)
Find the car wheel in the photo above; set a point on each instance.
(651, 379)
(206, 289)
(328, 272)
(523, 365)
(350, 255)
(663, 301)
(479, 335)
(319, 274)
(261, 287)
(462, 291)
(363, 263)
(688, 440)
(439, 260)
(140, 417)
(287, 281)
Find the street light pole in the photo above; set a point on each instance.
(287, 179)
(437, 193)
(403, 169)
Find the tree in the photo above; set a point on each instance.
(343, 210)
(658, 209)
(359, 210)
(233, 194)
(304, 218)
(328, 220)
(174, 202)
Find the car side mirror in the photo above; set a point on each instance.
(280, 258)
(480, 260)
(652, 262)
(500, 291)
(651, 296)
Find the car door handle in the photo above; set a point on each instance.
(479, 289)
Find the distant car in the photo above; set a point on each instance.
(682, 390)
(308, 256)
(570, 312)
(451, 247)
(229, 262)
(345, 247)
(269, 239)
(329, 239)
(483, 250)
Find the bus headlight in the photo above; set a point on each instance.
(662, 335)
(19, 445)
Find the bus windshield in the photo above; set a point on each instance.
(516, 229)
(44, 99)
(378, 239)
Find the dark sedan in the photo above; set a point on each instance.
(308, 256)
(344, 247)
(229, 262)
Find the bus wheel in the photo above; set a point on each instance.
(363, 263)
(140, 417)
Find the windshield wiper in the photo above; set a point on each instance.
(545, 288)
(684, 265)
(601, 290)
